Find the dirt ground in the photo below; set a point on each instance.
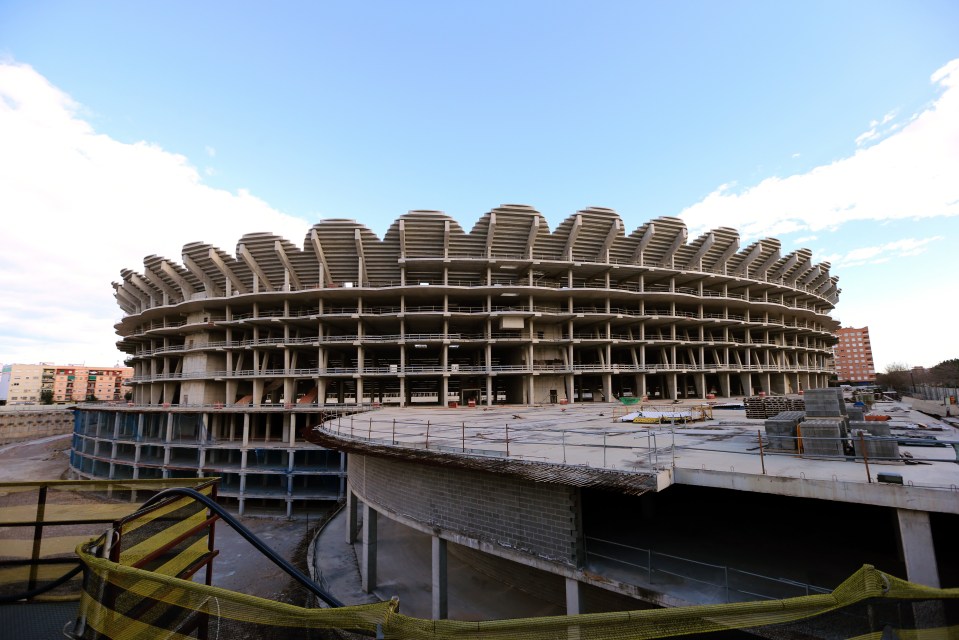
(238, 567)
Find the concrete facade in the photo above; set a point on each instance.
(234, 348)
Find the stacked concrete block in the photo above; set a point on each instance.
(825, 403)
(759, 407)
(856, 414)
(781, 430)
(822, 438)
(879, 443)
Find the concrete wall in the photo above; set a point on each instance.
(940, 408)
(536, 519)
(29, 424)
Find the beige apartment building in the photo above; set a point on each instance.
(25, 383)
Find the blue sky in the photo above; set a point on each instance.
(831, 125)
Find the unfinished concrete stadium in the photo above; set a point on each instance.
(235, 356)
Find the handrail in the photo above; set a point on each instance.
(249, 536)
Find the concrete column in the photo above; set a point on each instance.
(368, 566)
(724, 385)
(351, 513)
(607, 385)
(439, 588)
(574, 593)
(915, 535)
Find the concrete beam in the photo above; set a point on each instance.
(211, 289)
(743, 268)
(326, 278)
(186, 288)
(696, 261)
(254, 266)
(285, 259)
(678, 241)
(573, 234)
(644, 242)
(227, 271)
(155, 280)
(603, 254)
(531, 238)
(490, 232)
(879, 494)
(361, 257)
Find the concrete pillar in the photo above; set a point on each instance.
(440, 586)
(368, 566)
(574, 597)
(607, 386)
(746, 381)
(351, 519)
(915, 535)
(671, 386)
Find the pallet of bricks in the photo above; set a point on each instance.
(762, 407)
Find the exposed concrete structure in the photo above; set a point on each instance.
(249, 349)
(545, 489)
(29, 423)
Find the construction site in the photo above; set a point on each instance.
(705, 521)
(585, 421)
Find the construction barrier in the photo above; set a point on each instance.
(41, 524)
(121, 601)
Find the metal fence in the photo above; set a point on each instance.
(694, 581)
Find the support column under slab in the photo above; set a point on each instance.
(915, 536)
(351, 513)
(574, 597)
(440, 591)
(368, 568)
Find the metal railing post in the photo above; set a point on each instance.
(865, 458)
(762, 458)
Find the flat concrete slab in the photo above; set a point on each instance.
(725, 447)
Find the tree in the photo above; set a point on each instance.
(946, 373)
(897, 376)
(46, 396)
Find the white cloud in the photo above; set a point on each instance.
(210, 151)
(78, 207)
(882, 253)
(805, 239)
(910, 173)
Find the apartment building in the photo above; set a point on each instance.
(854, 363)
(25, 383)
